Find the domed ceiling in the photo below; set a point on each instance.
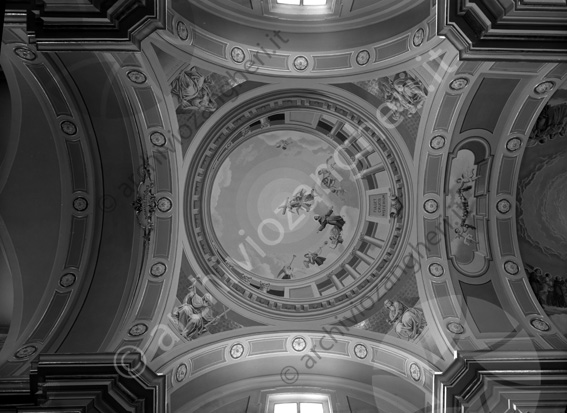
(542, 218)
(298, 204)
(261, 200)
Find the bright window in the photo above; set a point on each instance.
(303, 408)
(303, 2)
(298, 403)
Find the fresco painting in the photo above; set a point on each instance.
(282, 207)
(542, 217)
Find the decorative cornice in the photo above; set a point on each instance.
(495, 381)
(485, 30)
(87, 382)
(100, 25)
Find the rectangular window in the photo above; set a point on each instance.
(298, 403)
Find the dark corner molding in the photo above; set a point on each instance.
(503, 382)
(98, 25)
(497, 30)
(86, 383)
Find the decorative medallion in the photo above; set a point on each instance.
(67, 280)
(300, 63)
(511, 267)
(436, 270)
(455, 328)
(544, 87)
(158, 269)
(415, 371)
(430, 206)
(157, 139)
(237, 54)
(360, 351)
(539, 324)
(68, 127)
(181, 372)
(80, 204)
(299, 344)
(236, 351)
(138, 330)
(437, 142)
(459, 83)
(182, 31)
(25, 53)
(363, 57)
(137, 77)
(503, 206)
(164, 204)
(25, 352)
(418, 37)
(514, 144)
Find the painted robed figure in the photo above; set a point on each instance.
(408, 322)
(195, 313)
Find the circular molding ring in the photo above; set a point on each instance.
(230, 284)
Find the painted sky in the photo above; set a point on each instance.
(255, 180)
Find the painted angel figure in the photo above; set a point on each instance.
(467, 179)
(313, 258)
(288, 272)
(192, 91)
(335, 238)
(304, 200)
(289, 205)
(329, 219)
(467, 238)
(330, 182)
(283, 144)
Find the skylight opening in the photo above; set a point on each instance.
(303, 2)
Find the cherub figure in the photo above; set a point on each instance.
(288, 272)
(467, 179)
(289, 205)
(283, 143)
(304, 200)
(335, 238)
(300, 200)
(465, 236)
(313, 258)
(328, 180)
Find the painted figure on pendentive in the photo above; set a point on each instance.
(408, 322)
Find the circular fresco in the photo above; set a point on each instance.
(269, 214)
(291, 204)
